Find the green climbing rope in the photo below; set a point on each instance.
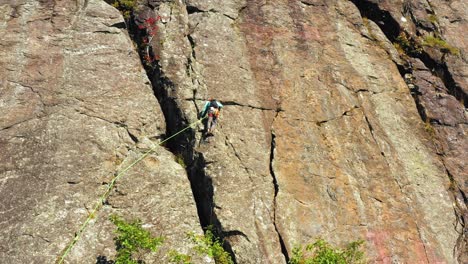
(106, 194)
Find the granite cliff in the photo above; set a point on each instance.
(342, 119)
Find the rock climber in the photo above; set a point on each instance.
(212, 108)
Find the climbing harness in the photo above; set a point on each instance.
(106, 194)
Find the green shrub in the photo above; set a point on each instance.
(210, 245)
(132, 239)
(179, 258)
(430, 130)
(179, 158)
(406, 45)
(124, 6)
(442, 45)
(433, 19)
(320, 252)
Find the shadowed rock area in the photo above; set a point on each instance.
(328, 130)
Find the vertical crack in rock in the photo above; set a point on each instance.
(284, 250)
(191, 59)
(371, 129)
(228, 143)
(460, 209)
(439, 69)
(201, 184)
(184, 144)
(190, 70)
(422, 239)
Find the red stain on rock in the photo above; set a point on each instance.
(378, 239)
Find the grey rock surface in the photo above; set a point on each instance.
(437, 75)
(319, 136)
(76, 108)
(328, 129)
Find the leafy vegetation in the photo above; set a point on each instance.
(126, 7)
(430, 130)
(321, 252)
(132, 239)
(179, 258)
(149, 26)
(210, 245)
(433, 19)
(406, 45)
(442, 45)
(179, 158)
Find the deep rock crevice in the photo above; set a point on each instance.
(284, 250)
(184, 144)
(193, 9)
(382, 18)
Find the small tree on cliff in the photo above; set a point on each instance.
(132, 240)
(150, 30)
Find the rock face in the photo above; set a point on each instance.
(76, 108)
(437, 75)
(327, 129)
(319, 135)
